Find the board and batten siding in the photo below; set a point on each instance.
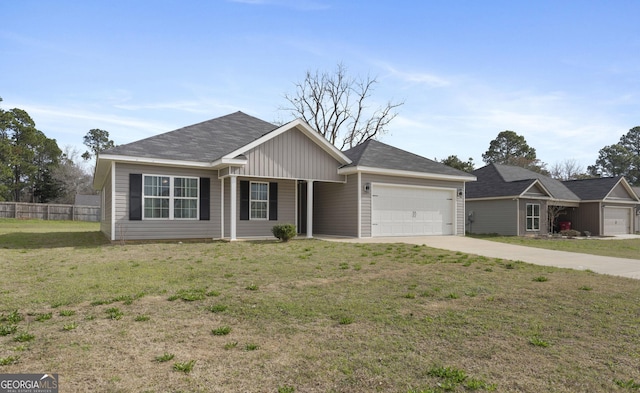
(259, 228)
(107, 203)
(407, 181)
(161, 228)
(586, 217)
(335, 209)
(291, 155)
(493, 216)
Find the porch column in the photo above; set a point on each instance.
(309, 209)
(232, 207)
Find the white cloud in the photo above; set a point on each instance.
(422, 78)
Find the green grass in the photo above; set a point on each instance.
(185, 367)
(418, 319)
(164, 357)
(623, 248)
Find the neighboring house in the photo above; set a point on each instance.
(637, 191)
(236, 176)
(510, 200)
(87, 200)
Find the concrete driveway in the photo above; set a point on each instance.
(605, 265)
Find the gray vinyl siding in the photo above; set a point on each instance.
(163, 229)
(291, 155)
(335, 208)
(261, 228)
(544, 217)
(408, 181)
(105, 222)
(497, 216)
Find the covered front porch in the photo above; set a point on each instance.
(250, 207)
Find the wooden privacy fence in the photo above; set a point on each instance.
(45, 211)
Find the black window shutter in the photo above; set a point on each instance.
(273, 201)
(244, 199)
(205, 198)
(135, 196)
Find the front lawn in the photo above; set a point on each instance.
(623, 248)
(305, 316)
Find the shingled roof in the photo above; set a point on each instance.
(202, 142)
(375, 154)
(495, 180)
(593, 189)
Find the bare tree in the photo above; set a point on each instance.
(568, 169)
(554, 211)
(336, 106)
(71, 177)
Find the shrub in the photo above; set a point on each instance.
(284, 232)
(570, 233)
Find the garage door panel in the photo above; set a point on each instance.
(410, 211)
(617, 221)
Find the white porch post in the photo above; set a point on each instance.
(309, 209)
(232, 208)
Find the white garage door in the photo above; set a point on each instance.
(617, 221)
(411, 211)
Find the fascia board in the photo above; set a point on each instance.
(500, 198)
(612, 201)
(225, 162)
(106, 159)
(156, 161)
(306, 129)
(396, 172)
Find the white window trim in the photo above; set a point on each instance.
(532, 217)
(251, 218)
(171, 198)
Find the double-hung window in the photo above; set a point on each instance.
(185, 197)
(169, 197)
(259, 201)
(533, 217)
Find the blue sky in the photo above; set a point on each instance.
(564, 74)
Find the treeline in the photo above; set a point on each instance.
(619, 159)
(33, 168)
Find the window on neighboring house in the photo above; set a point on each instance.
(170, 197)
(259, 201)
(533, 217)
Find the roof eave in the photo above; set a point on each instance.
(493, 198)
(395, 172)
(104, 163)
